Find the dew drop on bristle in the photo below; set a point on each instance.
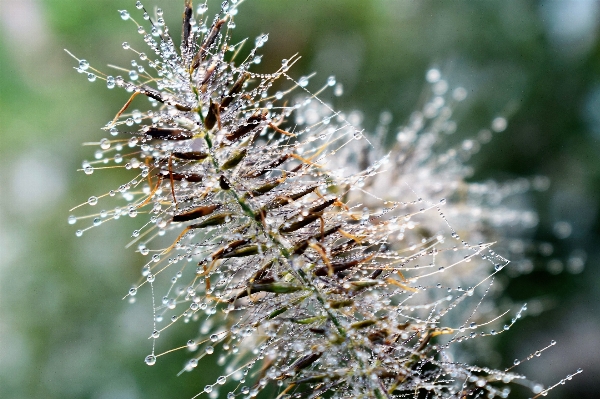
(150, 360)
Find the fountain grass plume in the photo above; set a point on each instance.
(296, 273)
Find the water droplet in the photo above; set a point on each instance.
(338, 90)
(92, 200)
(150, 278)
(79, 233)
(132, 291)
(331, 81)
(133, 75)
(303, 82)
(517, 362)
(209, 350)
(150, 360)
(459, 94)
(221, 380)
(155, 334)
(261, 40)
(110, 82)
(91, 77)
(553, 342)
(208, 388)
(499, 124)
(83, 65)
(139, 5)
(433, 75)
(124, 15)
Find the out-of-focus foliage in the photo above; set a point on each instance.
(65, 333)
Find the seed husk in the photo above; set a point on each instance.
(196, 213)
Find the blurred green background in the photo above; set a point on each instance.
(64, 330)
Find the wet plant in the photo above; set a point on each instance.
(260, 230)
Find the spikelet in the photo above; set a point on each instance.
(259, 235)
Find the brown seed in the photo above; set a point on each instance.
(234, 244)
(265, 188)
(300, 247)
(267, 167)
(300, 223)
(284, 200)
(196, 213)
(251, 124)
(224, 183)
(215, 220)
(341, 266)
(191, 177)
(190, 156)
(305, 361)
(208, 74)
(187, 26)
(152, 93)
(237, 87)
(168, 134)
(207, 44)
(211, 117)
(336, 267)
(322, 206)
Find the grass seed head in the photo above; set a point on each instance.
(309, 270)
